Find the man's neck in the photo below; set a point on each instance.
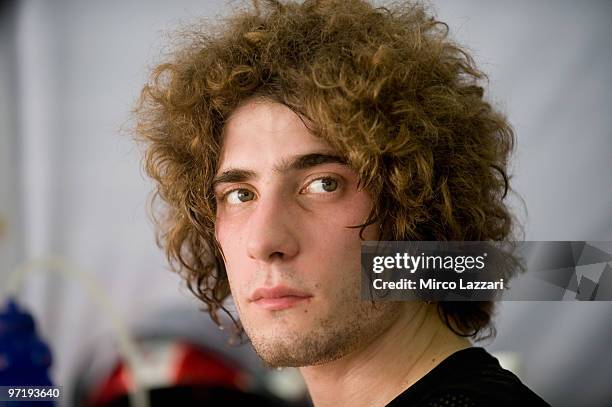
(379, 371)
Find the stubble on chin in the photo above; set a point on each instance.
(326, 340)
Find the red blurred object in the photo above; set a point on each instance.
(169, 364)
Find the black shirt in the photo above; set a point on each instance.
(468, 378)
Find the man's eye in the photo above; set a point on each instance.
(322, 185)
(238, 196)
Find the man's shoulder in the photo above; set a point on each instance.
(470, 377)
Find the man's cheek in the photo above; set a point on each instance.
(235, 270)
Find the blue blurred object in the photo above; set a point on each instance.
(24, 358)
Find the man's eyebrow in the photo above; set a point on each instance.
(233, 175)
(300, 162)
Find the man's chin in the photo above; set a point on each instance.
(285, 359)
(298, 351)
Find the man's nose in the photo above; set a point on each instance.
(272, 231)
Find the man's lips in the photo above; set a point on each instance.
(278, 297)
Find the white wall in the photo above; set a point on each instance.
(11, 224)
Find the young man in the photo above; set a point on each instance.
(293, 133)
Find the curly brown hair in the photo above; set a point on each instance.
(385, 87)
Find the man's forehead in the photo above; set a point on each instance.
(260, 133)
(272, 116)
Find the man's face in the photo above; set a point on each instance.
(284, 201)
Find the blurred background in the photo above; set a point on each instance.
(71, 183)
